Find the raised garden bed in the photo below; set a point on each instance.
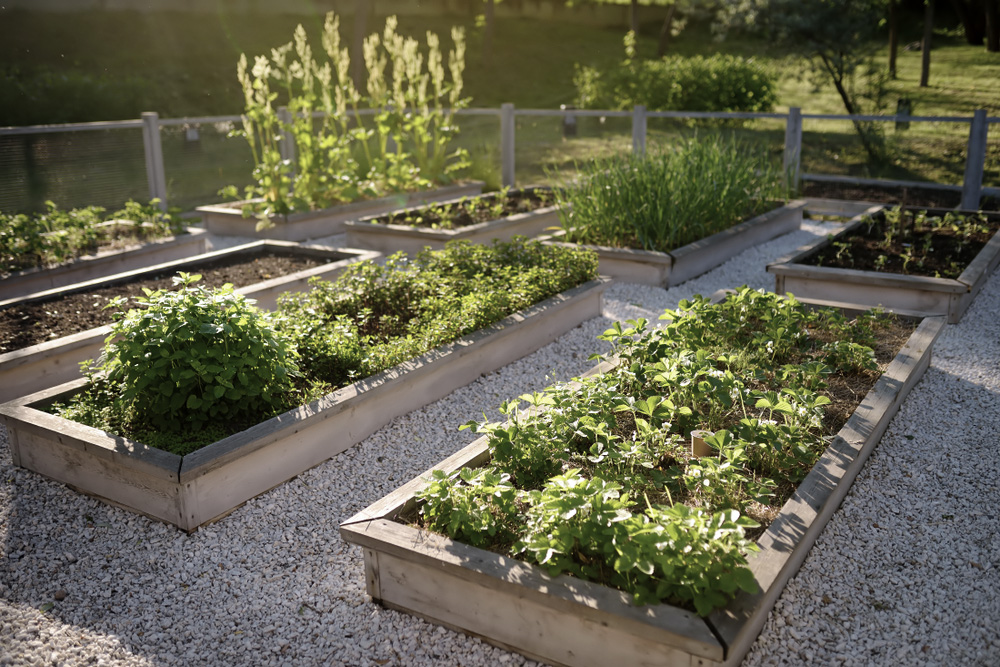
(56, 361)
(665, 269)
(881, 259)
(104, 263)
(228, 220)
(479, 220)
(190, 490)
(568, 621)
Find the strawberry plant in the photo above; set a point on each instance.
(597, 478)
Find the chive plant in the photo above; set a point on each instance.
(667, 199)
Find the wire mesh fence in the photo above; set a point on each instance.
(73, 169)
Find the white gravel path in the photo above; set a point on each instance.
(907, 572)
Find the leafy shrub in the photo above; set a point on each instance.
(675, 83)
(598, 480)
(194, 356)
(53, 237)
(664, 200)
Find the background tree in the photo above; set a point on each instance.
(839, 37)
(925, 46)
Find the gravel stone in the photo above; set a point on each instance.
(905, 573)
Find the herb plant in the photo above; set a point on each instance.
(193, 356)
(597, 478)
(662, 201)
(342, 157)
(56, 236)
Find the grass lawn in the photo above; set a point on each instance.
(68, 67)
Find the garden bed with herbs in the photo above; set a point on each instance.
(622, 512)
(493, 216)
(930, 261)
(663, 218)
(44, 347)
(230, 401)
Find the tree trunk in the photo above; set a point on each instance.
(971, 16)
(993, 26)
(362, 8)
(893, 37)
(925, 47)
(633, 17)
(864, 130)
(665, 31)
(488, 33)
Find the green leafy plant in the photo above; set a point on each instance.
(56, 236)
(342, 157)
(193, 356)
(662, 200)
(598, 480)
(714, 83)
(209, 362)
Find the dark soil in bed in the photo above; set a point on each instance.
(909, 245)
(28, 324)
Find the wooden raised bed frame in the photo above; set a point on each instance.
(666, 269)
(228, 220)
(903, 294)
(205, 485)
(566, 621)
(54, 362)
(390, 238)
(105, 263)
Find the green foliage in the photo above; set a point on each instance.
(374, 316)
(342, 157)
(676, 83)
(189, 367)
(55, 236)
(195, 356)
(598, 479)
(662, 200)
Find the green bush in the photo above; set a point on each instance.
(664, 200)
(195, 356)
(676, 83)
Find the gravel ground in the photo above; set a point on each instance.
(905, 573)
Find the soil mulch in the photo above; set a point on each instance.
(908, 248)
(23, 325)
(895, 195)
(471, 211)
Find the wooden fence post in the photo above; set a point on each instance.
(793, 148)
(972, 187)
(639, 130)
(507, 144)
(155, 174)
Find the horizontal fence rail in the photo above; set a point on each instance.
(157, 177)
